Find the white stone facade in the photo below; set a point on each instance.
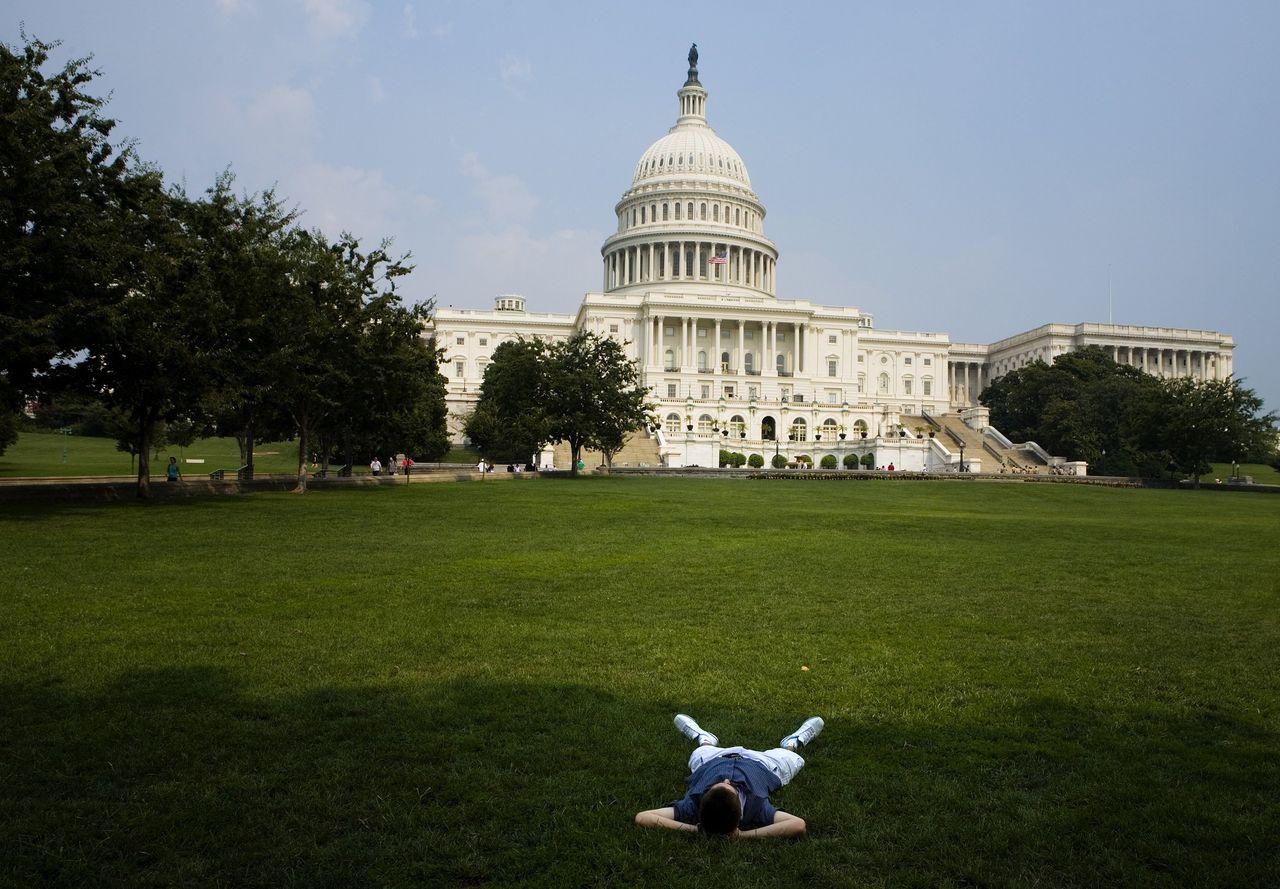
(688, 285)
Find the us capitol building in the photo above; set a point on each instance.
(689, 285)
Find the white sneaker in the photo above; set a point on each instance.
(687, 726)
(802, 736)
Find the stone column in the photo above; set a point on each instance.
(683, 357)
(742, 346)
(770, 366)
(716, 334)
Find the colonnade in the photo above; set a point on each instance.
(966, 380)
(1169, 363)
(712, 261)
(761, 359)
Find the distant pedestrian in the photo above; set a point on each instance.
(891, 467)
(391, 466)
(406, 466)
(375, 466)
(480, 466)
(172, 471)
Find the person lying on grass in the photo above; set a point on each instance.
(729, 787)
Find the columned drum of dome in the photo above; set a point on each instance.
(690, 215)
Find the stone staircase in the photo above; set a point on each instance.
(641, 449)
(992, 454)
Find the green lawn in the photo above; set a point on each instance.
(472, 684)
(44, 454)
(1261, 472)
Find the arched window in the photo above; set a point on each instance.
(704, 424)
(702, 360)
(737, 426)
(691, 209)
(829, 431)
(673, 424)
(884, 383)
(724, 360)
(642, 214)
(782, 363)
(737, 216)
(653, 212)
(665, 213)
(704, 211)
(859, 426)
(748, 362)
(767, 429)
(799, 430)
(633, 215)
(677, 211)
(670, 360)
(715, 213)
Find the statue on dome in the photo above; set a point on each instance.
(693, 64)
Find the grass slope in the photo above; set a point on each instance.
(470, 684)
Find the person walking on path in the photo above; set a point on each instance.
(173, 472)
(375, 466)
(728, 787)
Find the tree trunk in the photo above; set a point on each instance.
(302, 458)
(144, 461)
(575, 450)
(248, 452)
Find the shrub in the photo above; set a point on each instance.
(850, 461)
(725, 457)
(736, 459)
(829, 461)
(868, 460)
(779, 461)
(755, 461)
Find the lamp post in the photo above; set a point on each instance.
(962, 467)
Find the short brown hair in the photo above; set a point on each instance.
(719, 812)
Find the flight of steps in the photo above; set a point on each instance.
(989, 451)
(641, 449)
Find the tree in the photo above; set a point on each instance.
(510, 423)
(60, 195)
(593, 394)
(244, 239)
(1214, 419)
(150, 353)
(1087, 406)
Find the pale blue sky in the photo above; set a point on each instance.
(970, 168)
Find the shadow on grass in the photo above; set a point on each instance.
(187, 776)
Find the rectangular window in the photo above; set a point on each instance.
(706, 390)
(906, 361)
(831, 337)
(928, 362)
(906, 387)
(484, 341)
(671, 390)
(613, 328)
(458, 368)
(833, 396)
(831, 368)
(751, 334)
(702, 333)
(753, 391)
(461, 341)
(728, 392)
(669, 331)
(928, 386)
(860, 358)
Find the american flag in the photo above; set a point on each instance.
(718, 259)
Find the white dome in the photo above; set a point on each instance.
(691, 148)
